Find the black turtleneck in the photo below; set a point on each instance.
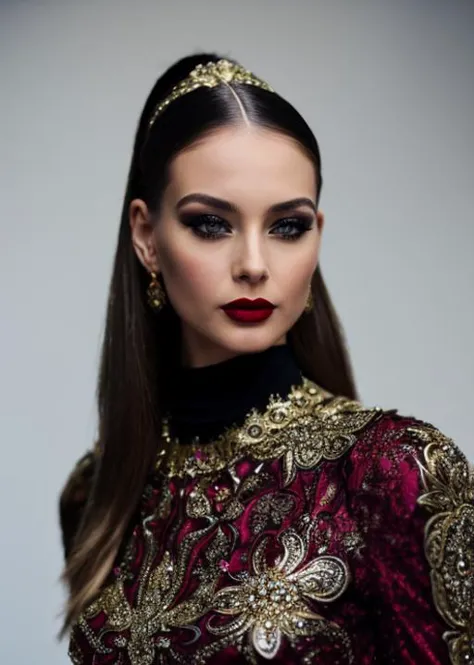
(204, 401)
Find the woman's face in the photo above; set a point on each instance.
(237, 220)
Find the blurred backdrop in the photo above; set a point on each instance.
(387, 87)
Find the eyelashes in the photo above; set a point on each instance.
(212, 227)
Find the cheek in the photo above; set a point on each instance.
(190, 276)
(295, 276)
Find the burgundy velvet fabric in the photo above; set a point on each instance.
(361, 509)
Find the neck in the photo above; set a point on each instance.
(204, 401)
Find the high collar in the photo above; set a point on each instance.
(204, 401)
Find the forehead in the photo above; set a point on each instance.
(246, 165)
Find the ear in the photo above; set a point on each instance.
(320, 220)
(143, 238)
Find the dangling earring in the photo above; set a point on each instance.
(156, 293)
(309, 303)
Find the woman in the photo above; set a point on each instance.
(241, 504)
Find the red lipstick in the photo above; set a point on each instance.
(249, 311)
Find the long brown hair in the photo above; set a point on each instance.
(141, 348)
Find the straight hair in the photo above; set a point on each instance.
(140, 348)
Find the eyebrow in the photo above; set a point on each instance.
(226, 206)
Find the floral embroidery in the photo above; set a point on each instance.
(272, 601)
(198, 505)
(169, 602)
(449, 538)
(137, 618)
(306, 427)
(270, 511)
(138, 628)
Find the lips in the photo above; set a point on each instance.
(246, 303)
(249, 311)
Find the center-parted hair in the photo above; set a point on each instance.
(141, 348)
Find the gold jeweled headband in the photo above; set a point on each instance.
(209, 76)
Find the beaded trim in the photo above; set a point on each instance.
(304, 427)
(209, 76)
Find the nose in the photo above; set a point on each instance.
(249, 262)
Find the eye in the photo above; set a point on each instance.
(206, 226)
(292, 228)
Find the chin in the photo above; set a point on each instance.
(251, 340)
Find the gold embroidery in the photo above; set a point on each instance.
(198, 505)
(164, 505)
(270, 511)
(254, 483)
(329, 495)
(154, 611)
(306, 427)
(449, 538)
(301, 430)
(271, 602)
(74, 653)
(222, 495)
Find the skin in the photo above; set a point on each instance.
(253, 169)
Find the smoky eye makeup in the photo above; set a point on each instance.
(211, 226)
(293, 226)
(205, 225)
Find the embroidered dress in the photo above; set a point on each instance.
(316, 530)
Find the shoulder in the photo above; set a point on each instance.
(406, 462)
(73, 497)
(76, 487)
(412, 490)
(384, 450)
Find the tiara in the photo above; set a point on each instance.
(209, 76)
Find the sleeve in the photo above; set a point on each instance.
(412, 491)
(73, 499)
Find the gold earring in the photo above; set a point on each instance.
(155, 293)
(309, 303)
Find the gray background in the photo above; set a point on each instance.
(388, 88)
